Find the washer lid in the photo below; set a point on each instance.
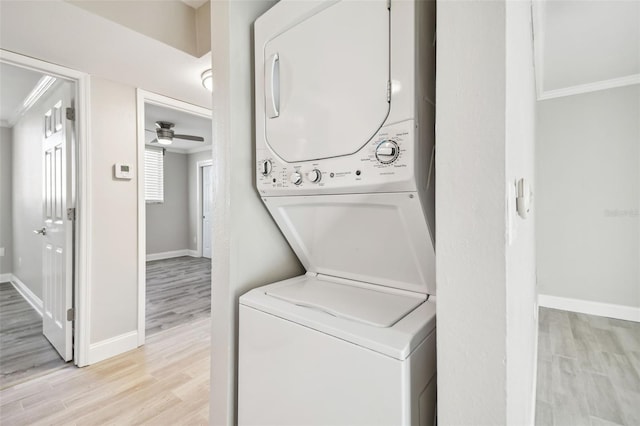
(366, 305)
(397, 341)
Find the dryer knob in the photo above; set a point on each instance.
(314, 175)
(266, 167)
(296, 178)
(387, 152)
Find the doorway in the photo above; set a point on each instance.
(205, 192)
(39, 234)
(174, 277)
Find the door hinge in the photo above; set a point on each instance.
(71, 214)
(71, 114)
(389, 91)
(70, 314)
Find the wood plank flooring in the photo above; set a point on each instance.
(588, 370)
(178, 292)
(24, 352)
(164, 382)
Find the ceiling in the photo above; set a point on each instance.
(62, 33)
(196, 4)
(586, 42)
(15, 84)
(184, 124)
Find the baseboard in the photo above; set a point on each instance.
(5, 278)
(168, 254)
(111, 347)
(193, 253)
(27, 294)
(627, 313)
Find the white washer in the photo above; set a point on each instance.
(344, 155)
(319, 352)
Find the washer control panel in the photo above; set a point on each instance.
(386, 160)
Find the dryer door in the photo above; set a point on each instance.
(326, 81)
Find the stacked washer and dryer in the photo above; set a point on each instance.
(344, 160)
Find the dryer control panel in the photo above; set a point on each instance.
(384, 164)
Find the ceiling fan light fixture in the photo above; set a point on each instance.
(207, 79)
(164, 140)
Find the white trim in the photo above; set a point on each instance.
(534, 382)
(82, 261)
(6, 278)
(199, 166)
(590, 87)
(27, 294)
(537, 14)
(143, 97)
(168, 254)
(627, 313)
(193, 253)
(142, 220)
(113, 346)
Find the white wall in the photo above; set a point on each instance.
(113, 235)
(588, 168)
(248, 248)
(484, 140)
(521, 301)
(168, 222)
(192, 170)
(6, 216)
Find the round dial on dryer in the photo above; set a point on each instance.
(387, 152)
(295, 178)
(265, 167)
(314, 175)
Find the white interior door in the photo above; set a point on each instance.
(206, 211)
(57, 235)
(327, 81)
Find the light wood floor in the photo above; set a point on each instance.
(588, 370)
(164, 382)
(24, 352)
(178, 292)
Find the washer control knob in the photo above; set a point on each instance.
(296, 178)
(266, 167)
(387, 151)
(314, 175)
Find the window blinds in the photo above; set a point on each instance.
(154, 175)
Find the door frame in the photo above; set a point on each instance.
(82, 225)
(199, 187)
(142, 97)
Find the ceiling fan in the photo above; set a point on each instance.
(165, 134)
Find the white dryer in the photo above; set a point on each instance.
(344, 161)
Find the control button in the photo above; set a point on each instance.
(314, 175)
(266, 167)
(387, 152)
(296, 178)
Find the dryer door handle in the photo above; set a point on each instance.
(272, 86)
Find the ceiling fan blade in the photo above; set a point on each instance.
(189, 138)
(152, 131)
(154, 141)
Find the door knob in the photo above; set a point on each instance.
(42, 231)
